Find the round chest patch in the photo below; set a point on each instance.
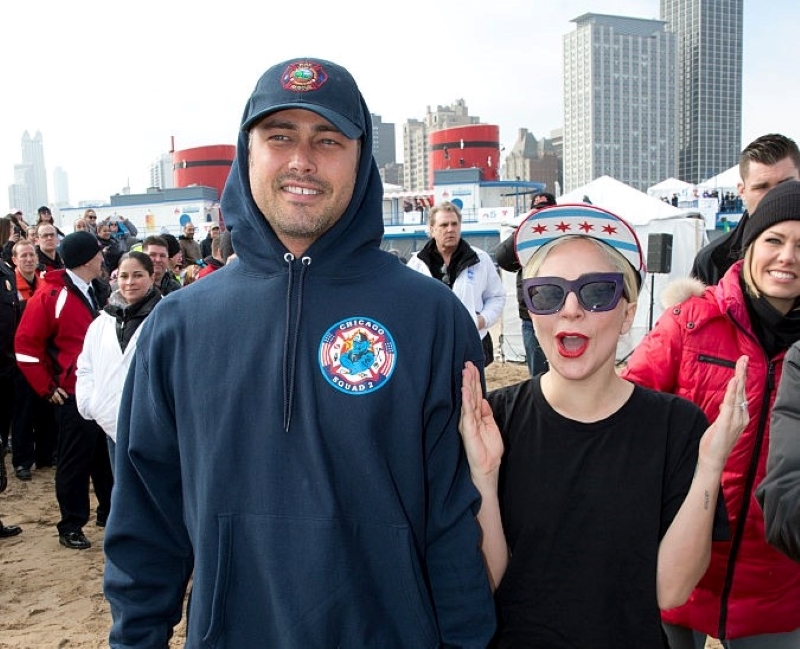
(357, 355)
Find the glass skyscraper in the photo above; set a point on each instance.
(33, 155)
(709, 76)
(619, 101)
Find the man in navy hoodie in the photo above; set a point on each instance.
(316, 491)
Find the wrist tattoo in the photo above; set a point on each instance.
(706, 499)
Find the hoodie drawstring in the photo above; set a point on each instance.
(290, 339)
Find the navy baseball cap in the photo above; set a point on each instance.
(311, 84)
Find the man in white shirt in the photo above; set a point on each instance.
(468, 271)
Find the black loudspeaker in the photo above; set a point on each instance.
(659, 252)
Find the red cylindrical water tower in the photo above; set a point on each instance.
(464, 147)
(203, 165)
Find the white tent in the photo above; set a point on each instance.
(724, 182)
(648, 215)
(623, 200)
(666, 188)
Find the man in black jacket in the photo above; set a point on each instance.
(205, 244)
(5, 530)
(506, 258)
(765, 162)
(158, 249)
(9, 314)
(8, 324)
(47, 248)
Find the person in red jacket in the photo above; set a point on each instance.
(34, 424)
(25, 262)
(750, 594)
(47, 344)
(212, 262)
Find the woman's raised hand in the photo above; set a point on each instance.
(720, 437)
(482, 440)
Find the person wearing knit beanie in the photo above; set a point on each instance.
(48, 342)
(754, 309)
(78, 248)
(175, 253)
(782, 203)
(173, 247)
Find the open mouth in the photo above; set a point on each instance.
(571, 345)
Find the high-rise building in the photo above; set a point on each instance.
(416, 145)
(415, 155)
(18, 195)
(392, 173)
(33, 155)
(60, 187)
(557, 142)
(619, 101)
(709, 50)
(161, 174)
(384, 146)
(525, 148)
(533, 160)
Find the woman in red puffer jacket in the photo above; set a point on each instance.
(750, 589)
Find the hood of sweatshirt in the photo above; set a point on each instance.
(259, 249)
(356, 235)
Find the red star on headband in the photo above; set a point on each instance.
(610, 229)
(539, 228)
(586, 226)
(563, 226)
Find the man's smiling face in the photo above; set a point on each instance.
(302, 174)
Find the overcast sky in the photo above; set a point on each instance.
(108, 83)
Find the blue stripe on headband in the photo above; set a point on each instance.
(614, 243)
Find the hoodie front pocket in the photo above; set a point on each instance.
(313, 582)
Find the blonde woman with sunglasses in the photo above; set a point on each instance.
(599, 496)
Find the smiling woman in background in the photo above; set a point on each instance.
(750, 595)
(110, 344)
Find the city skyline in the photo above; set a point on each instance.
(108, 100)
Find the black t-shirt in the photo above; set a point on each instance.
(584, 507)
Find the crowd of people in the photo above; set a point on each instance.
(727, 202)
(357, 486)
(61, 378)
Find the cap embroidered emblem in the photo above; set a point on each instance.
(303, 77)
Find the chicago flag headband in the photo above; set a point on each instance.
(544, 225)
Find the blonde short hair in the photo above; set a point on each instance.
(630, 277)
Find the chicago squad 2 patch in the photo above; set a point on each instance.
(357, 355)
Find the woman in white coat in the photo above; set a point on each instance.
(110, 344)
